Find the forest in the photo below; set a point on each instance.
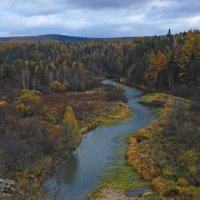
(160, 63)
(51, 94)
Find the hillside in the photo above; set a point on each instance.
(56, 37)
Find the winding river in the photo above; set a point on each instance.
(75, 176)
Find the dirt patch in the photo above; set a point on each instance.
(111, 194)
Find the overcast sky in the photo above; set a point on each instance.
(98, 18)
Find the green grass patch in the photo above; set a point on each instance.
(145, 98)
(160, 111)
(124, 120)
(155, 100)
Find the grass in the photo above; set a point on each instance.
(155, 97)
(160, 111)
(125, 117)
(119, 113)
(156, 100)
(118, 174)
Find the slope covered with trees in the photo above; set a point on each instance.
(170, 63)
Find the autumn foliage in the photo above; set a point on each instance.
(164, 63)
(157, 64)
(69, 122)
(57, 86)
(28, 103)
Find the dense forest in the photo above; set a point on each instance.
(161, 63)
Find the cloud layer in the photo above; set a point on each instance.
(97, 18)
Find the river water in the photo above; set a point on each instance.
(75, 176)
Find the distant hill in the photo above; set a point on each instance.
(55, 37)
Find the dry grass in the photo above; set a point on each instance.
(91, 108)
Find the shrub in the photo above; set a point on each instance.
(168, 171)
(116, 94)
(50, 115)
(182, 182)
(191, 193)
(119, 87)
(57, 86)
(189, 158)
(159, 183)
(3, 104)
(28, 103)
(172, 190)
(25, 140)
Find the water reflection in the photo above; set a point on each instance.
(62, 177)
(66, 171)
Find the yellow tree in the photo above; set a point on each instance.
(188, 58)
(158, 62)
(70, 125)
(184, 58)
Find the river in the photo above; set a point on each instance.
(75, 176)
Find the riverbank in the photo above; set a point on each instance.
(92, 109)
(166, 153)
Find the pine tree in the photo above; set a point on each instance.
(169, 33)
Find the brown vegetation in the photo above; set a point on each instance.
(91, 108)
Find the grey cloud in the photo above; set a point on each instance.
(105, 4)
(176, 9)
(97, 18)
(32, 8)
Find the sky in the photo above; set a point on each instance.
(98, 18)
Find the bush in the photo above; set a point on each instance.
(22, 142)
(50, 115)
(172, 190)
(168, 171)
(57, 86)
(3, 104)
(191, 193)
(190, 158)
(116, 94)
(182, 182)
(28, 103)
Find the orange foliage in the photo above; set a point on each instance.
(157, 64)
